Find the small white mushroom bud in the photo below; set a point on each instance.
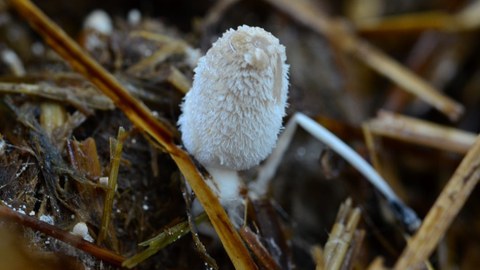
(233, 113)
(99, 20)
(134, 17)
(81, 229)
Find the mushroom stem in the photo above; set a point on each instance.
(228, 185)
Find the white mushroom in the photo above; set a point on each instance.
(81, 229)
(233, 113)
(99, 20)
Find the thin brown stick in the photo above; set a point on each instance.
(465, 20)
(142, 117)
(307, 13)
(442, 213)
(264, 258)
(384, 167)
(50, 230)
(410, 22)
(421, 132)
(419, 60)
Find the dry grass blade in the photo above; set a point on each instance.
(142, 117)
(117, 146)
(170, 46)
(341, 235)
(160, 241)
(159, 38)
(408, 22)
(253, 241)
(377, 264)
(159, 56)
(468, 18)
(217, 11)
(82, 100)
(381, 165)
(178, 80)
(317, 254)
(51, 230)
(409, 81)
(52, 116)
(421, 132)
(465, 20)
(229, 236)
(307, 13)
(442, 213)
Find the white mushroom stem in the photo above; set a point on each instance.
(228, 185)
(259, 187)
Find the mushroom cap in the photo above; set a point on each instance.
(100, 21)
(232, 115)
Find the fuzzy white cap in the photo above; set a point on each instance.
(233, 113)
(81, 229)
(100, 21)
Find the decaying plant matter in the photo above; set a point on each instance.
(93, 172)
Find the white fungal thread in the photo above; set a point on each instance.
(233, 113)
(231, 47)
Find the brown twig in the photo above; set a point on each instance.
(421, 132)
(50, 230)
(442, 213)
(253, 242)
(142, 117)
(82, 100)
(411, 22)
(465, 20)
(383, 167)
(419, 60)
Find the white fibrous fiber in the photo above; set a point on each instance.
(232, 115)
